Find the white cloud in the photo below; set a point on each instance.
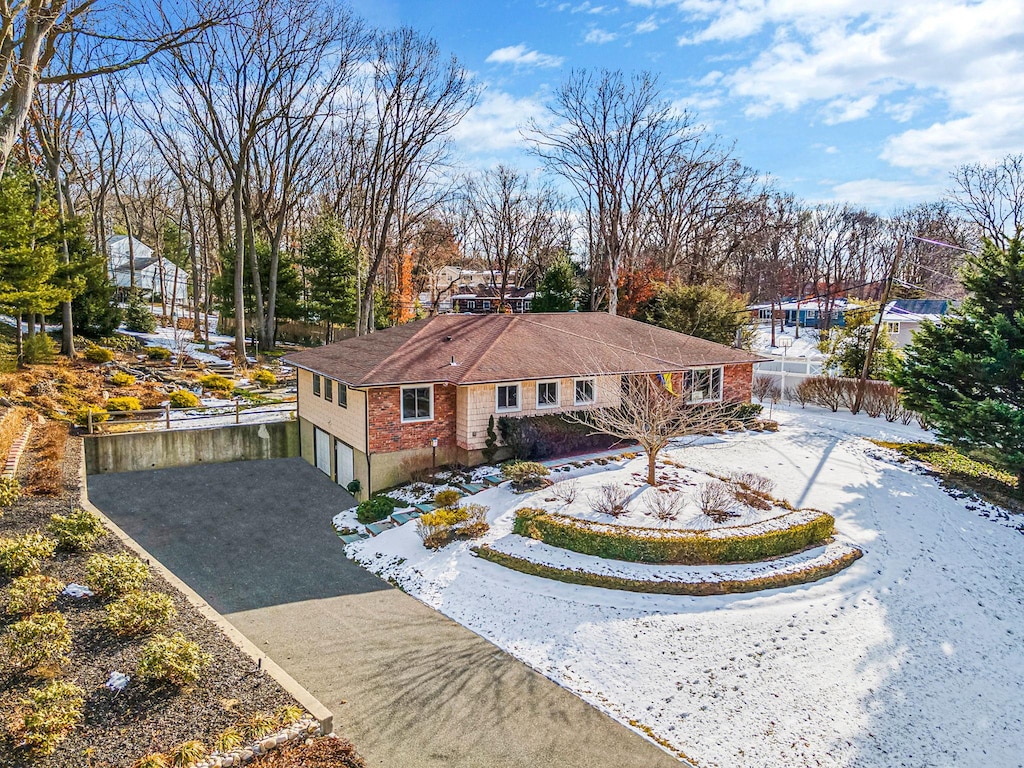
(600, 36)
(493, 124)
(849, 59)
(650, 24)
(880, 193)
(521, 56)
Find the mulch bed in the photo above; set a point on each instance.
(323, 752)
(121, 727)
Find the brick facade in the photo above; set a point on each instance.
(388, 433)
(736, 382)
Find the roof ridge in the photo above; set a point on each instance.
(485, 350)
(656, 358)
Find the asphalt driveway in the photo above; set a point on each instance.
(411, 688)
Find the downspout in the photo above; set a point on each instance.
(366, 425)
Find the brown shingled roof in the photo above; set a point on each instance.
(490, 348)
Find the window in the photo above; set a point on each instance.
(328, 389)
(316, 384)
(417, 403)
(547, 394)
(585, 391)
(703, 384)
(486, 305)
(342, 395)
(892, 328)
(470, 305)
(526, 306)
(508, 397)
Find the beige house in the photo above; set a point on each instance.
(377, 408)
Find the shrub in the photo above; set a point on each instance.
(137, 316)
(753, 490)
(447, 499)
(491, 443)
(375, 509)
(530, 438)
(77, 531)
(153, 760)
(173, 659)
(138, 613)
(610, 500)
(158, 353)
(31, 594)
(761, 386)
(258, 725)
(264, 378)
(525, 475)
(121, 341)
(25, 554)
(182, 398)
(665, 506)
(39, 349)
(227, 740)
(41, 640)
(188, 753)
(10, 490)
(122, 379)
(49, 714)
(802, 393)
(445, 524)
(98, 415)
(115, 575)
(789, 533)
(289, 715)
(354, 487)
(566, 491)
(96, 354)
(121, 404)
(216, 383)
(716, 500)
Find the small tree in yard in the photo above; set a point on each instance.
(654, 417)
(966, 376)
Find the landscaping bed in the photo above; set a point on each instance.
(117, 727)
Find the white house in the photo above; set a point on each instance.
(152, 274)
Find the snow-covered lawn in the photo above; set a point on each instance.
(911, 657)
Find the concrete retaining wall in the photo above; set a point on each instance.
(133, 451)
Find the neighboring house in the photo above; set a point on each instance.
(810, 313)
(371, 408)
(153, 275)
(483, 300)
(903, 317)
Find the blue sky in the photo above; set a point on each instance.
(869, 101)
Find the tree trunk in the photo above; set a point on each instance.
(652, 460)
(239, 286)
(19, 344)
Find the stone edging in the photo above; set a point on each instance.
(291, 686)
(10, 467)
(299, 731)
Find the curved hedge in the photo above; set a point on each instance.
(693, 588)
(783, 535)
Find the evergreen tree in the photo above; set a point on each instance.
(93, 308)
(847, 347)
(28, 259)
(558, 287)
(329, 262)
(704, 311)
(137, 315)
(967, 374)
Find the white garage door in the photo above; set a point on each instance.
(343, 461)
(322, 450)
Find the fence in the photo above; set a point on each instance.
(793, 369)
(186, 418)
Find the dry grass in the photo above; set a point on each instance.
(12, 425)
(49, 440)
(323, 752)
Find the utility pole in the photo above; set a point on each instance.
(878, 324)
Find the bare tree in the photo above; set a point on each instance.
(613, 138)
(654, 417)
(992, 196)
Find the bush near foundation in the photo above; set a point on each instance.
(446, 524)
(375, 509)
(793, 532)
(525, 475)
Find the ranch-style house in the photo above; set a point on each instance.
(377, 408)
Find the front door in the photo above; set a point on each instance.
(343, 461)
(322, 450)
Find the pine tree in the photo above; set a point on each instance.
(967, 374)
(329, 263)
(847, 347)
(557, 289)
(703, 311)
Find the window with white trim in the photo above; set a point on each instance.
(316, 384)
(342, 395)
(892, 327)
(547, 394)
(470, 305)
(328, 389)
(704, 385)
(486, 305)
(507, 397)
(585, 393)
(417, 403)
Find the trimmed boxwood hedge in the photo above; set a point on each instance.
(697, 589)
(683, 547)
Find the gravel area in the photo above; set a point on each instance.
(118, 728)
